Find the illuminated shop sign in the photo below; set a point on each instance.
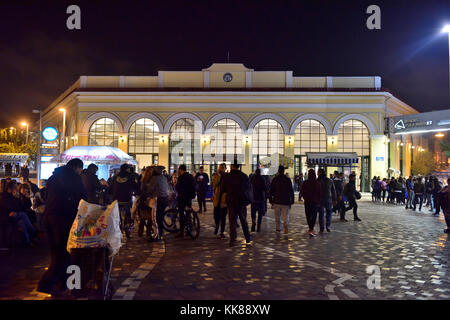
(421, 123)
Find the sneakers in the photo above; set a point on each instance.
(311, 233)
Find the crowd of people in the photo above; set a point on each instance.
(30, 210)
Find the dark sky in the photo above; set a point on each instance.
(40, 57)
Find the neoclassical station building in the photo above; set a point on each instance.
(228, 110)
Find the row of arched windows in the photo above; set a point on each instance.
(226, 136)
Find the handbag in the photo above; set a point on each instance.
(357, 195)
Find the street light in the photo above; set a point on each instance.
(38, 160)
(446, 29)
(24, 124)
(63, 144)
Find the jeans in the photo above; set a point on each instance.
(418, 197)
(325, 208)
(240, 212)
(311, 211)
(352, 205)
(281, 210)
(182, 204)
(410, 199)
(201, 199)
(220, 218)
(24, 224)
(257, 207)
(161, 205)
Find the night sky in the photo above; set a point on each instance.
(40, 57)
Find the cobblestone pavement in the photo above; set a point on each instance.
(409, 247)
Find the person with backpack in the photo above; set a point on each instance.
(282, 198)
(239, 193)
(351, 194)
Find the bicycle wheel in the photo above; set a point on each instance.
(171, 221)
(193, 225)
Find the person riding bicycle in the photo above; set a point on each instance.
(186, 192)
(122, 188)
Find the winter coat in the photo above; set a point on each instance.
(328, 191)
(185, 187)
(91, 184)
(281, 190)
(65, 189)
(217, 189)
(419, 187)
(338, 186)
(259, 188)
(201, 182)
(156, 187)
(350, 190)
(122, 187)
(311, 190)
(234, 185)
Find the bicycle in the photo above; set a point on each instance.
(171, 221)
(126, 222)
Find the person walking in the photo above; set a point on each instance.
(419, 190)
(201, 185)
(409, 193)
(328, 199)
(239, 194)
(383, 189)
(259, 197)
(281, 196)
(300, 182)
(91, 183)
(65, 189)
(351, 193)
(219, 201)
(312, 193)
(437, 187)
(185, 188)
(339, 188)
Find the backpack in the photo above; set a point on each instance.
(247, 192)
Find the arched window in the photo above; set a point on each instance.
(183, 141)
(268, 138)
(104, 132)
(143, 137)
(226, 139)
(353, 136)
(310, 136)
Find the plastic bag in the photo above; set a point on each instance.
(94, 227)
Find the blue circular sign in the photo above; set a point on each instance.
(50, 134)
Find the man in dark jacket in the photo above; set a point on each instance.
(239, 192)
(327, 200)
(201, 185)
(259, 197)
(123, 185)
(64, 191)
(350, 193)
(91, 183)
(281, 197)
(185, 188)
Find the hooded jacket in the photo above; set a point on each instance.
(281, 190)
(123, 186)
(64, 191)
(91, 184)
(311, 189)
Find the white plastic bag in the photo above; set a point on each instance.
(94, 227)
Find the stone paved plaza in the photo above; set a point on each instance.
(409, 247)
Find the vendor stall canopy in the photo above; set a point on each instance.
(332, 158)
(96, 154)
